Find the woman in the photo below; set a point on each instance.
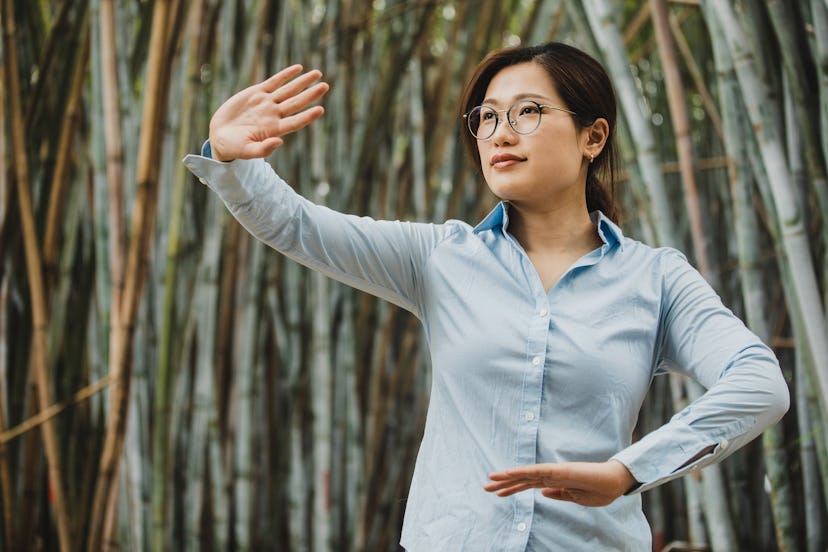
(545, 323)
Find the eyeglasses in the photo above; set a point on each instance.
(524, 117)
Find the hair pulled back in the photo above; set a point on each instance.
(585, 88)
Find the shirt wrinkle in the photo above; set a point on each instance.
(520, 375)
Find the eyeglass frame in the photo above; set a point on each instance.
(497, 113)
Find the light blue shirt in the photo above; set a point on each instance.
(521, 376)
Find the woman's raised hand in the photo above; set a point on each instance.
(251, 123)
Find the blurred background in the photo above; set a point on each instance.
(168, 383)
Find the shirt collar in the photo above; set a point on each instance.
(609, 232)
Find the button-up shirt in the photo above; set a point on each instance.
(524, 375)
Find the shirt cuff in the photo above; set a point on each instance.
(235, 182)
(665, 454)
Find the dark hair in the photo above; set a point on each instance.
(585, 88)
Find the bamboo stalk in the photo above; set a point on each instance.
(600, 18)
(122, 335)
(696, 74)
(114, 154)
(793, 234)
(681, 130)
(31, 474)
(49, 53)
(746, 229)
(164, 379)
(6, 497)
(34, 270)
(65, 143)
(53, 410)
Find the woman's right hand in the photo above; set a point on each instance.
(251, 123)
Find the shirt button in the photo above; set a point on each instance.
(203, 181)
(536, 361)
(521, 527)
(724, 444)
(530, 416)
(544, 312)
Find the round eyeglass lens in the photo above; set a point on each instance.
(525, 117)
(482, 121)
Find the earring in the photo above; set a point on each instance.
(591, 158)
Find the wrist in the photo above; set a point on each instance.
(624, 478)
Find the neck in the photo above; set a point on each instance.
(552, 229)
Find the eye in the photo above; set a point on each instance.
(487, 115)
(528, 109)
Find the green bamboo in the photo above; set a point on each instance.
(164, 378)
(793, 234)
(121, 339)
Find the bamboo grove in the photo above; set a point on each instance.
(168, 383)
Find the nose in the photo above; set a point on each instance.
(504, 133)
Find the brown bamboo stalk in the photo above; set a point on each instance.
(5, 192)
(60, 176)
(5, 473)
(171, 42)
(50, 412)
(696, 75)
(48, 54)
(681, 128)
(31, 473)
(114, 155)
(34, 271)
(121, 339)
(636, 24)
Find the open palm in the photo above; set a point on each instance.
(252, 122)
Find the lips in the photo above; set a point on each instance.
(505, 160)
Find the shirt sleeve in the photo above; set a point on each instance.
(746, 392)
(383, 258)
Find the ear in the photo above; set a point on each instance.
(596, 138)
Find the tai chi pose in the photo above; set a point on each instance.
(545, 324)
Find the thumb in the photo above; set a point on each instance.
(263, 148)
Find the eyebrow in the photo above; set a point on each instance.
(521, 96)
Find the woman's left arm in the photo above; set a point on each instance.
(746, 394)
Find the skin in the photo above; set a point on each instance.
(544, 185)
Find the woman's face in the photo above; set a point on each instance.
(547, 165)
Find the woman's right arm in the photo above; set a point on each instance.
(380, 257)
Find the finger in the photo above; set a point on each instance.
(530, 482)
(514, 490)
(300, 120)
(296, 85)
(281, 78)
(305, 98)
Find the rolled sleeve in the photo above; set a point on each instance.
(746, 392)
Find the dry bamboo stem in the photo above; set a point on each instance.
(47, 58)
(31, 455)
(142, 218)
(5, 477)
(696, 74)
(681, 128)
(48, 413)
(34, 270)
(60, 177)
(114, 154)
